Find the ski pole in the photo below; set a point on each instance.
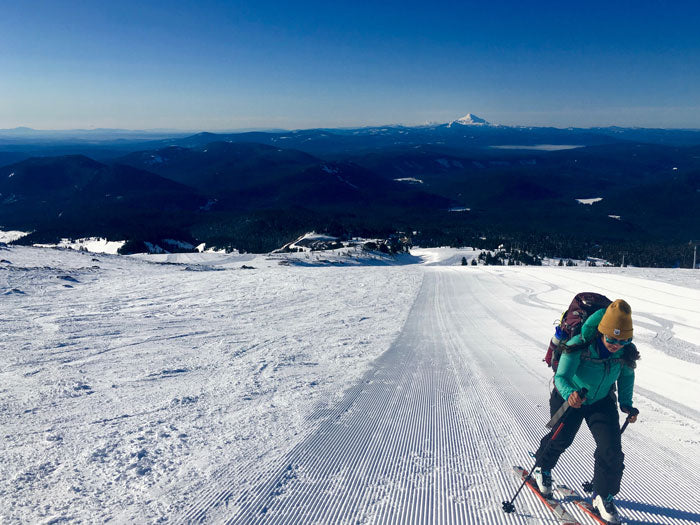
(559, 417)
(588, 485)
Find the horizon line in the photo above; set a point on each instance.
(273, 129)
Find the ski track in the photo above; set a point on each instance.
(430, 433)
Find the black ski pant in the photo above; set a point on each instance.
(602, 419)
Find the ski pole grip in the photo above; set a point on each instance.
(562, 410)
(631, 412)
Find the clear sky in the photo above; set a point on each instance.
(215, 65)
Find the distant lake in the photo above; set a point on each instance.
(541, 147)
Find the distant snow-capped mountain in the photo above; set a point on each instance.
(469, 120)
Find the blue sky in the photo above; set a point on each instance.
(216, 65)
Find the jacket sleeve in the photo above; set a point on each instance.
(564, 378)
(590, 327)
(625, 386)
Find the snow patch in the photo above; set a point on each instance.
(330, 169)
(411, 180)
(11, 235)
(590, 201)
(88, 244)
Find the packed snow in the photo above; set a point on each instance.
(317, 388)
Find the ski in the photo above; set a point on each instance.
(577, 499)
(555, 506)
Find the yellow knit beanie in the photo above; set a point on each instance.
(617, 321)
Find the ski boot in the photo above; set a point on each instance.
(606, 508)
(543, 478)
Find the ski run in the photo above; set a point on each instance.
(319, 388)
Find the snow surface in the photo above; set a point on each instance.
(90, 244)
(317, 388)
(11, 235)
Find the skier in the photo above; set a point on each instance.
(596, 359)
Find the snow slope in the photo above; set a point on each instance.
(192, 389)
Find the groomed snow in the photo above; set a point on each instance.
(260, 388)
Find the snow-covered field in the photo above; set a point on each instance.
(313, 388)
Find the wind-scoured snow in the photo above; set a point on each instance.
(250, 389)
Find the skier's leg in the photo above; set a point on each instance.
(603, 421)
(548, 453)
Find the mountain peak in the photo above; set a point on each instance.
(469, 120)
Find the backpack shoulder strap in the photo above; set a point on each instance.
(575, 344)
(586, 356)
(630, 356)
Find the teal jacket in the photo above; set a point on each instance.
(584, 369)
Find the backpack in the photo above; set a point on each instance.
(571, 321)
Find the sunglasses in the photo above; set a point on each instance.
(613, 341)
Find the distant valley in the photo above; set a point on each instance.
(461, 183)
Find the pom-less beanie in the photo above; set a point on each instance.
(617, 320)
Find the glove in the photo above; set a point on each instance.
(631, 412)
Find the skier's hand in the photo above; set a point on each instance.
(575, 400)
(631, 412)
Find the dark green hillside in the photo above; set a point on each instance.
(221, 167)
(76, 196)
